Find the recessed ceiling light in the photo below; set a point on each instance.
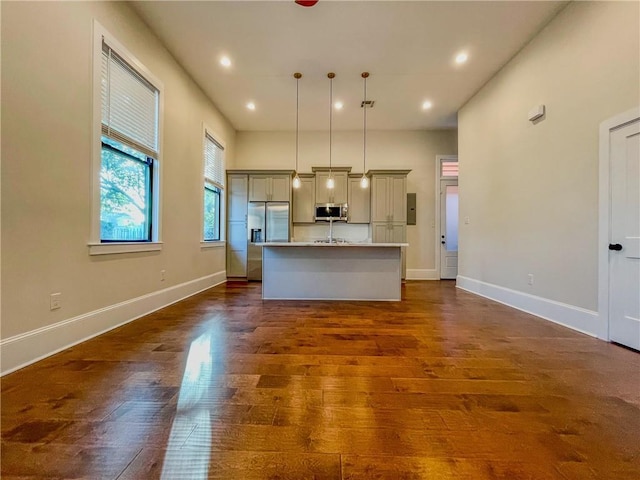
(338, 105)
(251, 106)
(225, 61)
(461, 57)
(426, 105)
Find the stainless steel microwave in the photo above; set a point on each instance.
(331, 211)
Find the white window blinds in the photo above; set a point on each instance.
(213, 161)
(129, 104)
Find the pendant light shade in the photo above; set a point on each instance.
(364, 181)
(296, 179)
(331, 76)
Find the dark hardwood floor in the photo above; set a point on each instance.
(443, 385)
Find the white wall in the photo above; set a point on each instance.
(531, 190)
(46, 182)
(415, 150)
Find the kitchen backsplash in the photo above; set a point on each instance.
(320, 231)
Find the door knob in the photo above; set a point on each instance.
(615, 246)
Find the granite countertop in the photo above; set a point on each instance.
(326, 244)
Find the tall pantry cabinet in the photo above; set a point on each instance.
(237, 192)
(389, 208)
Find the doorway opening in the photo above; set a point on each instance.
(619, 230)
(447, 216)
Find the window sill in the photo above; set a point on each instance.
(123, 247)
(213, 244)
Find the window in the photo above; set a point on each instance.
(213, 187)
(449, 168)
(126, 180)
(127, 157)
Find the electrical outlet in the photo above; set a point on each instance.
(530, 279)
(55, 301)
(162, 275)
(466, 220)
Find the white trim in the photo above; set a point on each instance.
(123, 247)
(439, 160)
(604, 225)
(576, 318)
(99, 32)
(213, 244)
(26, 348)
(422, 274)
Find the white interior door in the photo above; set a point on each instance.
(624, 255)
(448, 229)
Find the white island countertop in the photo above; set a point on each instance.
(333, 244)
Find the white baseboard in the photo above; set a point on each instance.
(26, 348)
(576, 318)
(422, 274)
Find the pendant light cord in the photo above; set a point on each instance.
(297, 75)
(364, 134)
(331, 75)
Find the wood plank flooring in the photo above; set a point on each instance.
(443, 385)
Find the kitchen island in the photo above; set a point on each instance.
(331, 271)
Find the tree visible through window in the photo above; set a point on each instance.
(211, 213)
(125, 193)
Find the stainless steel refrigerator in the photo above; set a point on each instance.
(266, 222)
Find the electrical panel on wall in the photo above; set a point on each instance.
(411, 208)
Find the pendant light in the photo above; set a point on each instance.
(296, 179)
(331, 75)
(364, 181)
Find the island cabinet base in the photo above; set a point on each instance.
(332, 272)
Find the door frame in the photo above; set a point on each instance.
(439, 160)
(604, 222)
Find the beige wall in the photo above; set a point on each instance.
(46, 166)
(531, 191)
(415, 150)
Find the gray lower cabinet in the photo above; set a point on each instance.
(384, 232)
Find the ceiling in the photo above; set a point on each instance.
(408, 47)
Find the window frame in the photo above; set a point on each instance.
(95, 244)
(207, 131)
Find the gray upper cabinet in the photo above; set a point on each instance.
(304, 199)
(338, 194)
(389, 197)
(269, 188)
(359, 201)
